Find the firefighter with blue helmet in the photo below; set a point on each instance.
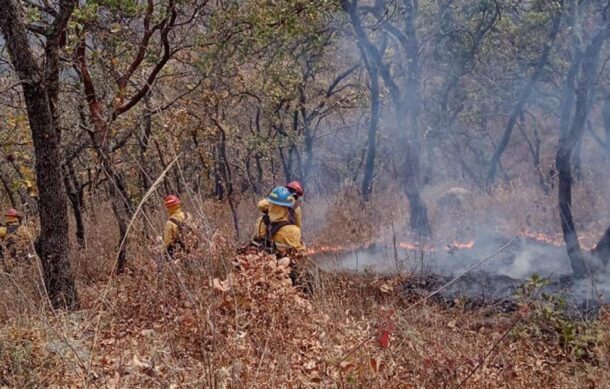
(278, 226)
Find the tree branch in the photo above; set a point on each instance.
(168, 25)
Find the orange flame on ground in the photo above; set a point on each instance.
(461, 246)
(552, 240)
(403, 245)
(413, 246)
(556, 239)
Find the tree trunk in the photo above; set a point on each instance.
(52, 243)
(412, 141)
(121, 207)
(606, 115)
(73, 189)
(569, 140)
(307, 166)
(286, 165)
(602, 249)
(512, 119)
(577, 158)
(369, 166)
(570, 236)
(119, 198)
(406, 105)
(8, 190)
(144, 141)
(259, 171)
(534, 148)
(257, 155)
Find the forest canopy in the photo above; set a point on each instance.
(99, 98)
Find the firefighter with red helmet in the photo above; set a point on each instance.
(297, 191)
(173, 233)
(15, 240)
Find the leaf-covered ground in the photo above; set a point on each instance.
(179, 325)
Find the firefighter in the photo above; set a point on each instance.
(15, 239)
(173, 234)
(278, 226)
(296, 189)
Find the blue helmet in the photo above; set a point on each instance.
(281, 196)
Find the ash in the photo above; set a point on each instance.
(493, 283)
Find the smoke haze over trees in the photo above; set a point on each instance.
(98, 97)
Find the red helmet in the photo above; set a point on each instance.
(12, 212)
(171, 201)
(296, 187)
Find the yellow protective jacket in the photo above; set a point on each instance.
(171, 232)
(277, 213)
(16, 240)
(288, 236)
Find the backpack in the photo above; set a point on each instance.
(10, 241)
(273, 227)
(187, 233)
(13, 247)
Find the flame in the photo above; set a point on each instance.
(556, 239)
(325, 250)
(403, 245)
(548, 239)
(461, 246)
(414, 246)
(553, 240)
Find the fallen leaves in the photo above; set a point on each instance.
(385, 327)
(250, 326)
(222, 286)
(137, 362)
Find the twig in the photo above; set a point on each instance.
(260, 362)
(148, 194)
(459, 385)
(482, 261)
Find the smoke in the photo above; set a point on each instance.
(498, 277)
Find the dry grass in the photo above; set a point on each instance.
(172, 327)
(159, 326)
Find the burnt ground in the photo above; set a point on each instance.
(494, 284)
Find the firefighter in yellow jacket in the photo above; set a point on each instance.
(15, 240)
(173, 238)
(296, 189)
(278, 226)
